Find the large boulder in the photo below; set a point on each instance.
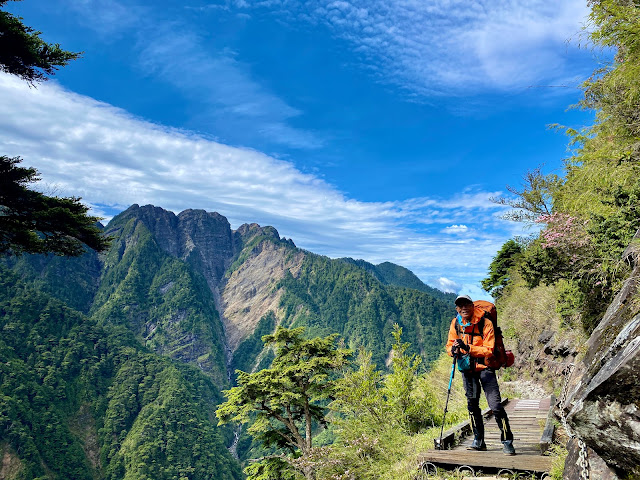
(603, 405)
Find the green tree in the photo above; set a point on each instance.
(499, 268)
(607, 153)
(31, 222)
(286, 400)
(368, 400)
(25, 54)
(534, 199)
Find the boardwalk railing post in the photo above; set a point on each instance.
(438, 442)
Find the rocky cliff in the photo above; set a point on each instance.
(203, 239)
(251, 291)
(603, 405)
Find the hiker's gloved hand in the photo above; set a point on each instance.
(460, 345)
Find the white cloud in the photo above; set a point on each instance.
(223, 88)
(461, 46)
(111, 159)
(447, 285)
(456, 229)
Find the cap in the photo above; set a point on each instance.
(463, 299)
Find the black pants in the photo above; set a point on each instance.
(487, 379)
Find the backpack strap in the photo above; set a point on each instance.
(481, 325)
(472, 332)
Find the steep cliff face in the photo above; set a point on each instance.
(603, 406)
(163, 302)
(202, 239)
(251, 290)
(166, 303)
(207, 243)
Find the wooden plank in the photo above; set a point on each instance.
(522, 462)
(549, 428)
(462, 429)
(526, 424)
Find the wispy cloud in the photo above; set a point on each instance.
(451, 46)
(222, 88)
(91, 149)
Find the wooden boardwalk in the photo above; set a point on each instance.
(532, 428)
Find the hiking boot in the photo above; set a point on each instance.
(477, 445)
(507, 447)
(477, 426)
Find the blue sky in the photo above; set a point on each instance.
(372, 129)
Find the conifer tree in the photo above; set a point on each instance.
(25, 54)
(31, 222)
(286, 400)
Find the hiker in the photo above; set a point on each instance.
(466, 339)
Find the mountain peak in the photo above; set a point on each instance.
(247, 231)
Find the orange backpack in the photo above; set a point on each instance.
(501, 357)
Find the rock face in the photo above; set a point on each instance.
(250, 291)
(206, 242)
(202, 239)
(598, 469)
(603, 407)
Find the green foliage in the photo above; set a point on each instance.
(25, 54)
(504, 260)
(358, 395)
(148, 412)
(571, 301)
(270, 469)
(541, 265)
(32, 222)
(391, 274)
(558, 464)
(588, 255)
(411, 411)
(366, 398)
(160, 429)
(72, 280)
(335, 296)
(285, 401)
(535, 198)
(248, 350)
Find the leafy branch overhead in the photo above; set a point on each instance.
(25, 54)
(31, 222)
(534, 199)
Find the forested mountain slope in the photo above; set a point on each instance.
(116, 361)
(84, 400)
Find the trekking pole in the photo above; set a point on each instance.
(438, 442)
